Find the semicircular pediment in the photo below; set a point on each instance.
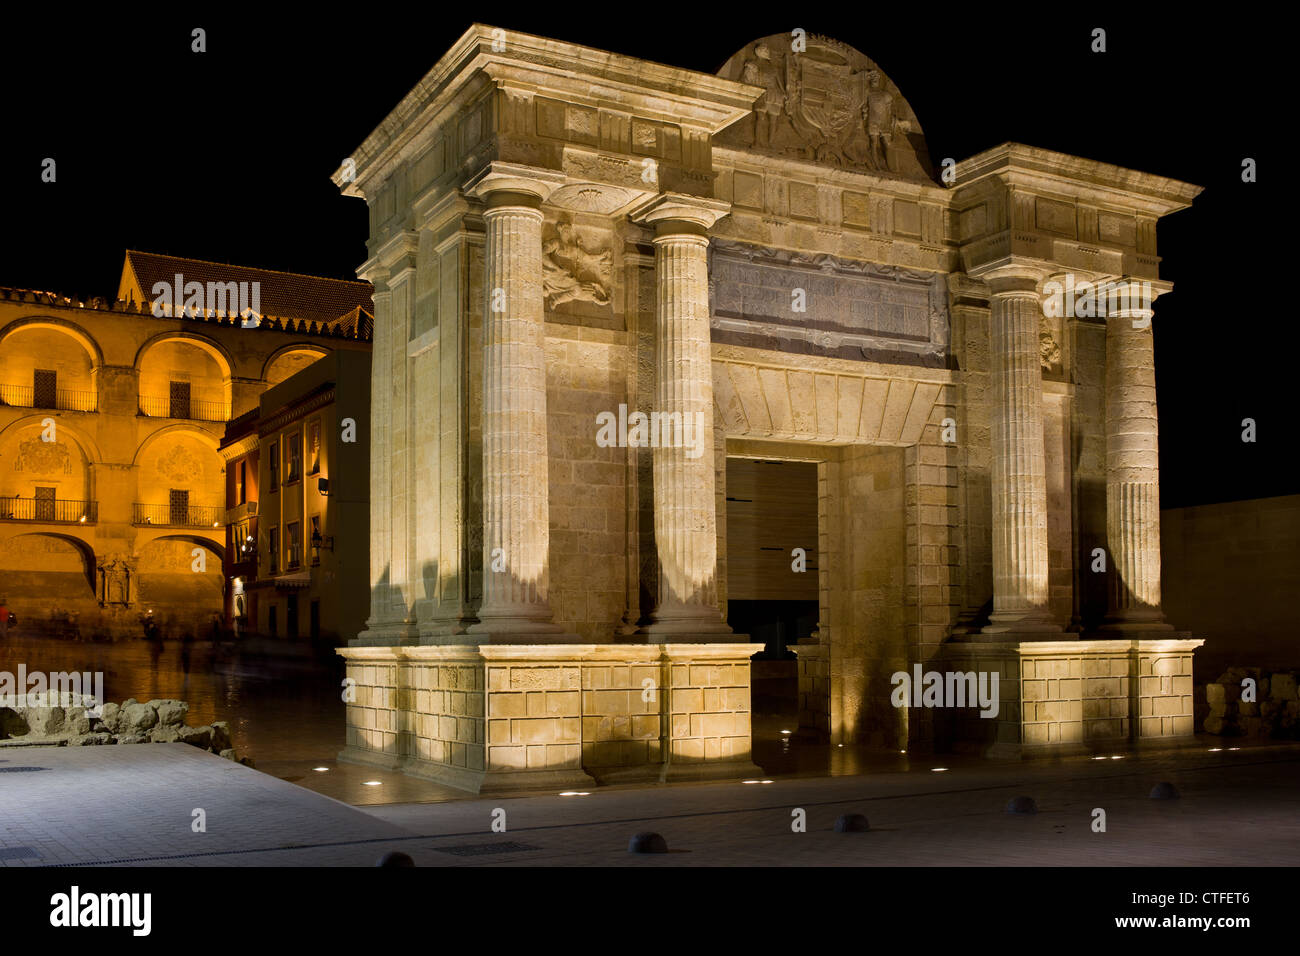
(827, 104)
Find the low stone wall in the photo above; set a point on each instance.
(43, 722)
(1275, 711)
(1076, 696)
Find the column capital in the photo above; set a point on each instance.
(1126, 297)
(530, 184)
(1013, 274)
(675, 213)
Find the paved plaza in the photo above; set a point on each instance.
(120, 806)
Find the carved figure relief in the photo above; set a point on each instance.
(1049, 349)
(575, 268)
(828, 103)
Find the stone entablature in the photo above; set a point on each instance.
(559, 232)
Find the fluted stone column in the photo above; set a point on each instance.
(1132, 461)
(685, 510)
(516, 514)
(1019, 481)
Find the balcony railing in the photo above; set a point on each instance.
(238, 513)
(52, 510)
(188, 410)
(168, 516)
(65, 399)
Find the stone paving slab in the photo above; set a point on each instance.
(104, 804)
(132, 807)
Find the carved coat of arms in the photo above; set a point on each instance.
(827, 103)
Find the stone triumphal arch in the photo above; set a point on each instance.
(769, 259)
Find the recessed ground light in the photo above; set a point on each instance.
(902, 751)
(765, 781)
(320, 769)
(1099, 758)
(841, 745)
(576, 793)
(785, 731)
(1234, 748)
(749, 781)
(938, 769)
(1215, 750)
(1118, 757)
(372, 783)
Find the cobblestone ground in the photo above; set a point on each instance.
(135, 806)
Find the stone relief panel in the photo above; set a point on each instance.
(576, 268)
(178, 464)
(579, 264)
(829, 104)
(42, 458)
(822, 304)
(1049, 344)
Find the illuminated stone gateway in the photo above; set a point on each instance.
(558, 231)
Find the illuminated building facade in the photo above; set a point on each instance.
(112, 493)
(297, 506)
(561, 238)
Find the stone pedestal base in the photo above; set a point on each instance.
(503, 718)
(1088, 695)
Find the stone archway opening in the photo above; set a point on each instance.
(289, 361)
(184, 379)
(48, 366)
(181, 583)
(48, 581)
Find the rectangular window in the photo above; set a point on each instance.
(44, 504)
(45, 388)
(178, 507)
(292, 457)
(293, 545)
(315, 539)
(273, 547)
(179, 400)
(273, 460)
(313, 446)
(241, 489)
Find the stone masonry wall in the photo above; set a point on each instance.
(586, 375)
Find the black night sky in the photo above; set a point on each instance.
(226, 155)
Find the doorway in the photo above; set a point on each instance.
(772, 574)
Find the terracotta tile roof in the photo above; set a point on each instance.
(358, 321)
(283, 294)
